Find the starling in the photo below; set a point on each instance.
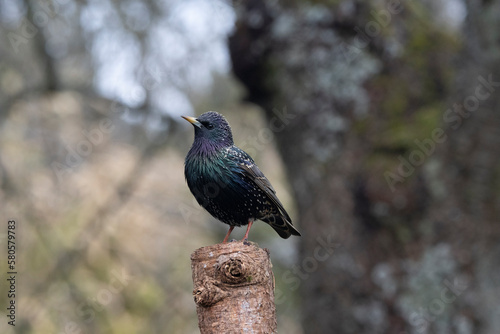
(225, 180)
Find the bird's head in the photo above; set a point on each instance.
(211, 128)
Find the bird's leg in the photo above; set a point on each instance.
(250, 222)
(228, 233)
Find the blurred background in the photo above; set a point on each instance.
(377, 122)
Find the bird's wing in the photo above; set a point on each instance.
(252, 172)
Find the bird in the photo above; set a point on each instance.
(226, 182)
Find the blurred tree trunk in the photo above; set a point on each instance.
(471, 162)
(357, 96)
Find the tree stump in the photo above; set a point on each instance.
(234, 289)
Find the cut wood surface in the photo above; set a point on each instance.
(234, 288)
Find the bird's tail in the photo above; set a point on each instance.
(284, 228)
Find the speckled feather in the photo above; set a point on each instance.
(226, 181)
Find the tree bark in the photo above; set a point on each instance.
(234, 289)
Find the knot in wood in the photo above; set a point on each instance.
(233, 289)
(235, 268)
(208, 293)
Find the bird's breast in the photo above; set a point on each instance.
(207, 175)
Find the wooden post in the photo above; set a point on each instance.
(234, 289)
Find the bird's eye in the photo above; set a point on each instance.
(209, 126)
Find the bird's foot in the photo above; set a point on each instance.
(246, 242)
(228, 233)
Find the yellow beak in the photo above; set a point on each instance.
(192, 120)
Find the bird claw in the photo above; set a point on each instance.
(246, 242)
